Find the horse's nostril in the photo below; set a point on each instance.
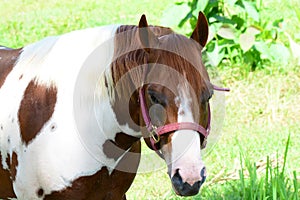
(184, 189)
(203, 175)
(177, 180)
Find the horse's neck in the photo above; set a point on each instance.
(76, 63)
(94, 116)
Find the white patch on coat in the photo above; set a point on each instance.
(56, 157)
(186, 155)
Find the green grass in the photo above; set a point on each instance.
(263, 180)
(27, 21)
(262, 108)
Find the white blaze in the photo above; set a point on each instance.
(186, 156)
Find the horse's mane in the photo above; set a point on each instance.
(176, 58)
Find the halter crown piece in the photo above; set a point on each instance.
(155, 132)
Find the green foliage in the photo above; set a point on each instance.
(275, 184)
(238, 32)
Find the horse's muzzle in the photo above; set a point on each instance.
(185, 189)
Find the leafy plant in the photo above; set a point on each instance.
(273, 185)
(266, 179)
(238, 32)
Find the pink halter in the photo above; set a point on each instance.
(156, 132)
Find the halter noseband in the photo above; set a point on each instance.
(155, 132)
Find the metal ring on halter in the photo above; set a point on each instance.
(154, 135)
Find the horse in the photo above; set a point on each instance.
(75, 107)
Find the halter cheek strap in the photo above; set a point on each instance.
(155, 132)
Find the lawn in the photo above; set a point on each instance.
(27, 21)
(262, 108)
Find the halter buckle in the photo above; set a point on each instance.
(153, 134)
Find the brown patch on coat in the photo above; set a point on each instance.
(13, 166)
(126, 110)
(101, 185)
(7, 62)
(6, 186)
(37, 107)
(7, 160)
(114, 149)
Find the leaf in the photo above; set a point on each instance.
(212, 7)
(275, 52)
(246, 41)
(201, 5)
(280, 53)
(238, 21)
(213, 31)
(216, 56)
(278, 23)
(253, 30)
(227, 32)
(231, 2)
(263, 49)
(173, 15)
(222, 19)
(251, 10)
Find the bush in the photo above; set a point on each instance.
(238, 32)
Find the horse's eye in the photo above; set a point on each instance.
(156, 98)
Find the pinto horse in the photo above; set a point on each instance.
(74, 108)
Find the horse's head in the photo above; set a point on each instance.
(162, 76)
(174, 102)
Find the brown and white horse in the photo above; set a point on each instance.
(74, 107)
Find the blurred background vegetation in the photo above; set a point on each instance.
(254, 48)
(240, 32)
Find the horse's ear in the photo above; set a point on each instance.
(146, 36)
(200, 33)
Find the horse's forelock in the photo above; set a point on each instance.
(174, 51)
